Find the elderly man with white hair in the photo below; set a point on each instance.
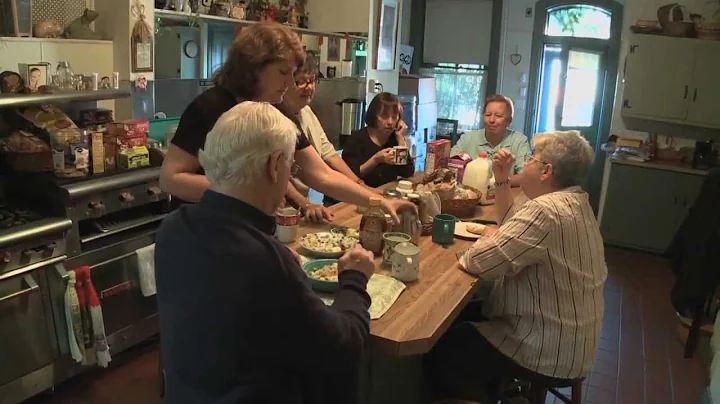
(239, 322)
(543, 317)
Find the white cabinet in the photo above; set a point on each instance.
(672, 80)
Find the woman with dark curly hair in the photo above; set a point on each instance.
(260, 67)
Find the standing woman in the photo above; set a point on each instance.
(260, 67)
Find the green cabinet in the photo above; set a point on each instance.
(672, 80)
(644, 207)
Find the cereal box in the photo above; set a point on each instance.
(438, 154)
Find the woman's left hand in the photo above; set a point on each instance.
(317, 213)
(394, 206)
(401, 129)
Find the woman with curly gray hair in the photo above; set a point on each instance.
(543, 317)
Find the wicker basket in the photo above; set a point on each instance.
(460, 207)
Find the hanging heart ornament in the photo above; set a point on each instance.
(516, 57)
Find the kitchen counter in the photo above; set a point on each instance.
(661, 165)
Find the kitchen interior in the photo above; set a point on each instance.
(82, 205)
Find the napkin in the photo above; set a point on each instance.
(383, 290)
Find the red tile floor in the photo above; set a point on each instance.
(639, 360)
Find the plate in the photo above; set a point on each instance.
(336, 244)
(461, 230)
(317, 284)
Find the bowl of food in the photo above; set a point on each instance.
(346, 231)
(323, 275)
(327, 244)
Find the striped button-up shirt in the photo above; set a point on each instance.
(546, 307)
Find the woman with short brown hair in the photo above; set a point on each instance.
(260, 67)
(371, 152)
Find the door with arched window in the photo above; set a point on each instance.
(574, 66)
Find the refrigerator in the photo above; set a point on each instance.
(328, 106)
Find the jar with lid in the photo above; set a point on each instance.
(64, 76)
(71, 152)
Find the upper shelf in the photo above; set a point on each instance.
(179, 16)
(61, 97)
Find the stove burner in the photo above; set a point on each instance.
(11, 217)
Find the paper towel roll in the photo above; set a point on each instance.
(346, 68)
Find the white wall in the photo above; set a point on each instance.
(517, 32)
(388, 78)
(338, 15)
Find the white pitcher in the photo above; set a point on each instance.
(406, 262)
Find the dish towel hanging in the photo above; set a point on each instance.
(72, 319)
(99, 341)
(146, 270)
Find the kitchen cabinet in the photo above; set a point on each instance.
(672, 80)
(644, 207)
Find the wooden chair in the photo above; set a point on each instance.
(535, 393)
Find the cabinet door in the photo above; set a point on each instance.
(689, 191)
(640, 207)
(658, 73)
(704, 105)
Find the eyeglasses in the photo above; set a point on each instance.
(306, 82)
(530, 157)
(294, 169)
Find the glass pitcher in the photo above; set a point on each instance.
(64, 77)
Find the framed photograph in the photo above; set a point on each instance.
(142, 56)
(34, 75)
(386, 22)
(333, 49)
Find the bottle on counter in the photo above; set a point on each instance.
(372, 227)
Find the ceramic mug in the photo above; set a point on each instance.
(400, 154)
(443, 229)
(390, 240)
(287, 222)
(406, 262)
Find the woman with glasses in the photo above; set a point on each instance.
(297, 102)
(542, 319)
(260, 66)
(497, 116)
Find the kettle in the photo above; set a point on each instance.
(352, 112)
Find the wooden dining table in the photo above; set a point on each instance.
(428, 306)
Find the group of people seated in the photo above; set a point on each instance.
(239, 321)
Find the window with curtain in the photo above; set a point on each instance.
(460, 92)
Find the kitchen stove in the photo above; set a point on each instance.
(11, 217)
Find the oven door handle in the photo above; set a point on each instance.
(114, 259)
(33, 286)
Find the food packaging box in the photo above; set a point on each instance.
(131, 139)
(133, 157)
(97, 152)
(121, 128)
(458, 164)
(110, 152)
(95, 116)
(438, 154)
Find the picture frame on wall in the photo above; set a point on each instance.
(142, 56)
(333, 49)
(386, 24)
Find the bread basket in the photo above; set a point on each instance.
(460, 207)
(675, 21)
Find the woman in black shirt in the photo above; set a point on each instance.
(260, 67)
(369, 151)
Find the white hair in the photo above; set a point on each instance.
(569, 153)
(243, 138)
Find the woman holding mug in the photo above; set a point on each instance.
(260, 66)
(378, 153)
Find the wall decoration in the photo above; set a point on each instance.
(190, 49)
(140, 83)
(142, 56)
(333, 54)
(405, 57)
(386, 22)
(64, 11)
(516, 57)
(15, 18)
(47, 29)
(80, 27)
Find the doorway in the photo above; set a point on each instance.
(574, 67)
